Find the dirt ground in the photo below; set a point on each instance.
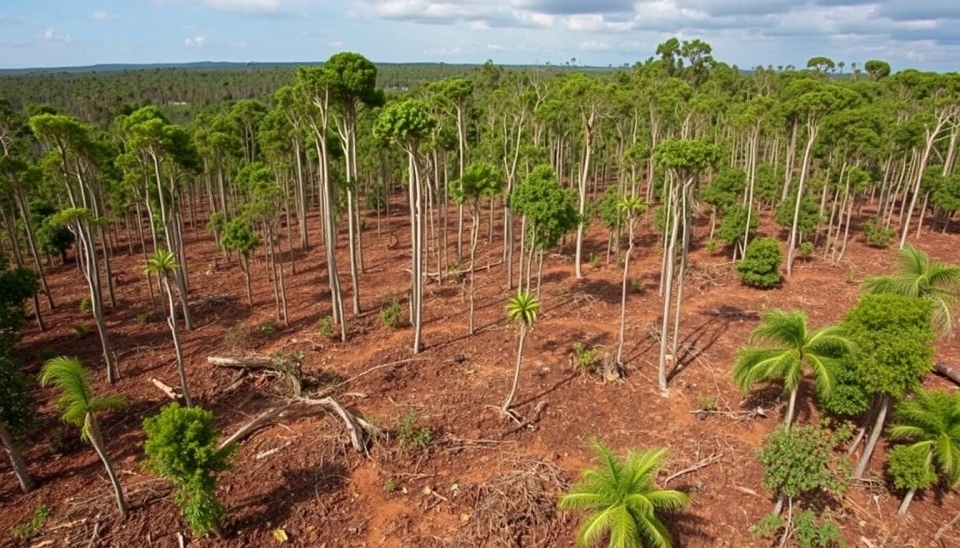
(479, 481)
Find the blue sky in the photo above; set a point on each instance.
(48, 33)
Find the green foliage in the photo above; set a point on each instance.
(805, 250)
(52, 237)
(267, 327)
(801, 460)
(17, 411)
(81, 330)
(391, 315)
(931, 421)
(31, 527)
(760, 266)
(16, 285)
(76, 400)
(480, 179)
(810, 531)
(876, 235)
(85, 306)
(239, 236)
(595, 261)
(637, 286)
(410, 434)
(405, 122)
(377, 198)
(609, 210)
(687, 156)
(623, 500)
(325, 327)
(909, 467)
(722, 192)
(584, 357)
(181, 446)
(809, 218)
(547, 205)
(217, 222)
(523, 307)
(733, 225)
(919, 277)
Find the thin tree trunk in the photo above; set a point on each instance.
(16, 459)
(874, 436)
(906, 502)
(96, 440)
(516, 374)
(175, 333)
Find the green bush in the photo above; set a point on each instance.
(805, 250)
(409, 435)
(181, 446)
(907, 466)
(325, 327)
(760, 266)
(876, 235)
(32, 526)
(391, 315)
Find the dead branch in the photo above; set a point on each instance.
(171, 392)
(258, 422)
(249, 364)
(358, 428)
(538, 411)
(944, 370)
(943, 529)
(702, 464)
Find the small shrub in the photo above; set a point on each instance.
(143, 318)
(805, 250)
(594, 260)
(585, 358)
(80, 330)
(409, 435)
(391, 315)
(32, 526)
(707, 402)
(267, 327)
(760, 266)
(455, 275)
(621, 260)
(181, 446)
(712, 245)
(907, 466)
(86, 307)
(636, 286)
(876, 235)
(389, 486)
(325, 327)
(46, 353)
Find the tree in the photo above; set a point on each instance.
(892, 338)
(163, 264)
(623, 500)
(632, 206)
(80, 408)
(181, 446)
(239, 236)
(877, 69)
(480, 179)
(523, 309)
(685, 160)
(919, 277)
(792, 350)
(408, 123)
(931, 422)
(760, 266)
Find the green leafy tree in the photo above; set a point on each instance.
(239, 236)
(931, 422)
(761, 262)
(164, 265)
(80, 408)
(893, 348)
(181, 446)
(734, 226)
(523, 309)
(919, 277)
(623, 500)
(791, 349)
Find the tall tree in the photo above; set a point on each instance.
(164, 264)
(523, 309)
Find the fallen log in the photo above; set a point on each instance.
(171, 392)
(944, 370)
(250, 364)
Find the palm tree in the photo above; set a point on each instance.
(80, 409)
(931, 420)
(624, 500)
(523, 307)
(793, 348)
(164, 264)
(920, 277)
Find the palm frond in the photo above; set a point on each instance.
(71, 378)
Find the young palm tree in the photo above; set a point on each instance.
(523, 308)
(920, 277)
(793, 348)
(80, 409)
(931, 420)
(164, 264)
(624, 500)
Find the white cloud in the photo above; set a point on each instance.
(244, 6)
(51, 35)
(495, 47)
(196, 42)
(595, 45)
(102, 16)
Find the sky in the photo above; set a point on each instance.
(923, 34)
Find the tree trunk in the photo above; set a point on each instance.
(874, 436)
(175, 332)
(804, 168)
(96, 440)
(623, 291)
(16, 459)
(791, 408)
(947, 371)
(516, 374)
(906, 502)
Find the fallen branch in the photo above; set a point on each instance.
(258, 422)
(538, 411)
(358, 428)
(249, 364)
(945, 526)
(171, 392)
(944, 370)
(367, 372)
(702, 464)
